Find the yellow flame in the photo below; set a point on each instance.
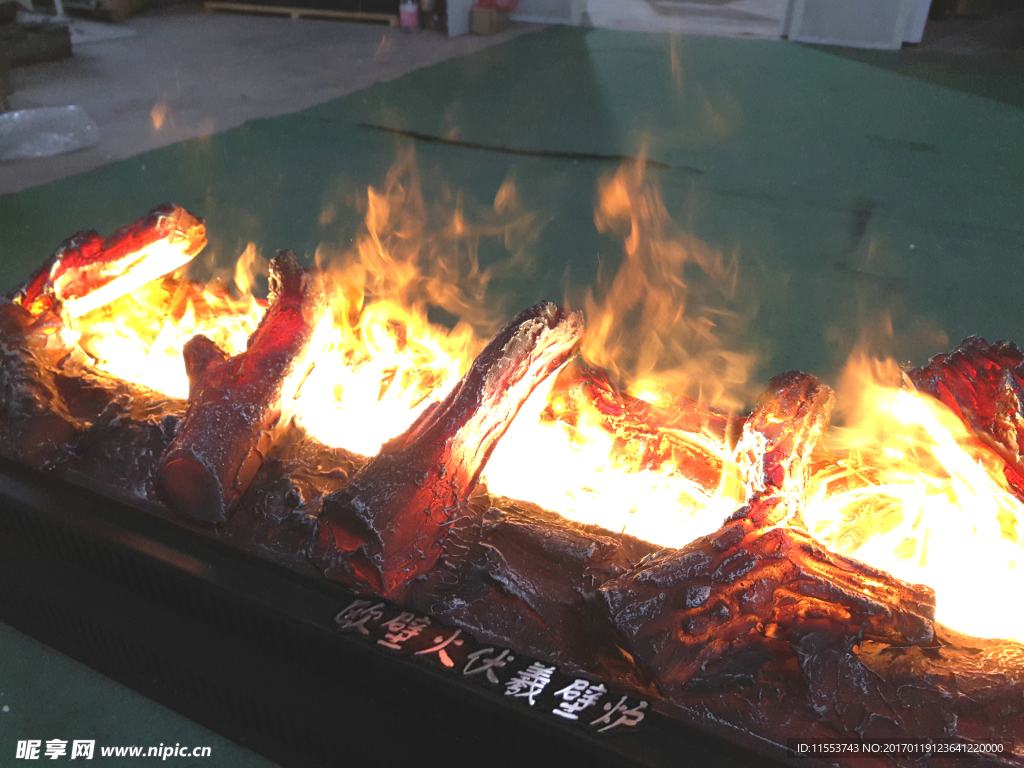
(915, 494)
(139, 337)
(149, 263)
(664, 320)
(377, 374)
(384, 361)
(907, 489)
(640, 327)
(576, 470)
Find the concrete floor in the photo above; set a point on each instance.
(185, 73)
(182, 73)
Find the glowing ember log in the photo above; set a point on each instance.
(683, 436)
(235, 403)
(983, 384)
(756, 591)
(85, 273)
(775, 446)
(662, 472)
(88, 271)
(389, 525)
(736, 599)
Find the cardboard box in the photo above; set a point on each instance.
(487, 21)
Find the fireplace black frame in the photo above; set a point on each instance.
(248, 648)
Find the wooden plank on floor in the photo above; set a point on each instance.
(295, 13)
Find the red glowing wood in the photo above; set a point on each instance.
(86, 262)
(679, 435)
(389, 525)
(984, 385)
(236, 403)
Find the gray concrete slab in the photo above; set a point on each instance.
(185, 73)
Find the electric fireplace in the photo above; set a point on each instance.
(481, 539)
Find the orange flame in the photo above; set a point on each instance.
(576, 466)
(384, 361)
(664, 321)
(642, 328)
(139, 337)
(903, 487)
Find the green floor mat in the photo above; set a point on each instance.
(36, 704)
(844, 190)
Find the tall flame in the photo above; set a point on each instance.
(666, 323)
(384, 361)
(643, 327)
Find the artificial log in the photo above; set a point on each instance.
(966, 687)
(715, 611)
(88, 271)
(236, 403)
(35, 424)
(685, 436)
(761, 590)
(775, 447)
(68, 415)
(962, 688)
(529, 577)
(983, 384)
(522, 575)
(389, 525)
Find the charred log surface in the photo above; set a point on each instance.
(984, 385)
(714, 612)
(88, 271)
(277, 516)
(529, 578)
(752, 593)
(36, 426)
(966, 688)
(685, 435)
(236, 403)
(390, 524)
(125, 429)
(71, 417)
(963, 688)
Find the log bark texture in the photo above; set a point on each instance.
(761, 589)
(237, 403)
(82, 273)
(36, 426)
(389, 525)
(984, 385)
(527, 576)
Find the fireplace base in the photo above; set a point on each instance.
(250, 649)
